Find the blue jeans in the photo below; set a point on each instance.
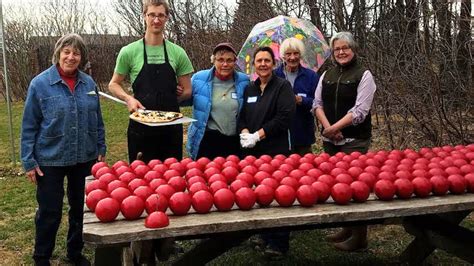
(49, 195)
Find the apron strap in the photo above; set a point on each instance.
(145, 57)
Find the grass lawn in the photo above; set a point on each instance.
(17, 208)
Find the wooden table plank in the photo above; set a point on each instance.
(259, 218)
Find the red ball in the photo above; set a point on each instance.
(165, 190)
(214, 187)
(341, 193)
(322, 190)
(178, 183)
(94, 197)
(197, 187)
(440, 185)
(230, 173)
(457, 184)
(237, 184)
(285, 195)
(306, 195)
(157, 219)
(384, 189)
(470, 182)
(404, 188)
(97, 166)
(132, 207)
(224, 199)
(360, 191)
(270, 182)
(202, 201)
(290, 181)
(245, 198)
(264, 195)
(180, 203)
(156, 202)
(107, 210)
(422, 187)
(143, 192)
(120, 193)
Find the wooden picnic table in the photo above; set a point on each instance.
(434, 221)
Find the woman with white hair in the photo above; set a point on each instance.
(342, 105)
(62, 135)
(303, 81)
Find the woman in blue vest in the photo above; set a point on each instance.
(342, 105)
(217, 97)
(304, 81)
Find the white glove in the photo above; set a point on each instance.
(250, 140)
(243, 139)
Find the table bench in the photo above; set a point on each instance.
(434, 221)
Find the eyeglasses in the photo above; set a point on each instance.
(228, 61)
(341, 49)
(159, 16)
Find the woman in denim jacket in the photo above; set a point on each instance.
(62, 135)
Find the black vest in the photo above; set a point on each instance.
(339, 95)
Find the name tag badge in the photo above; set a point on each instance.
(252, 99)
(233, 95)
(91, 93)
(302, 94)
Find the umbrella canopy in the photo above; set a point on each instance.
(272, 32)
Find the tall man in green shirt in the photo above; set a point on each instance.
(160, 73)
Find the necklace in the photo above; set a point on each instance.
(226, 92)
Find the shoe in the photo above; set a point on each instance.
(258, 243)
(357, 242)
(273, 253)
(80, 261)
(42, 262)
(340, 236)
(351, 245)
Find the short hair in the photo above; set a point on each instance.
(292, 43)
(264, 49)
(344, 36)
(147, 3)
(74, 40)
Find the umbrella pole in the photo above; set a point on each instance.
(7, 88)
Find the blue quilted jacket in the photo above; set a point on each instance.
(202, 100)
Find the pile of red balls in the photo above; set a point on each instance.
(309, 179)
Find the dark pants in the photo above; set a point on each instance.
(360, 145)
(161, 142)
(214, 144)
(49, 195)
(301, 150)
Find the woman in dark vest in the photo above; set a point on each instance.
(342, 103)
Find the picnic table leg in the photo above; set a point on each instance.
(437, 231)
(211, 248)
(108, 256)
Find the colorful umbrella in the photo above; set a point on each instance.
(272, 32)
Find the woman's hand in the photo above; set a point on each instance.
(31, 175)
(330, 132)
(101, 158)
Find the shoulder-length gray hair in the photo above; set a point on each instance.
(292, 43)
(74, 40)
(344, 36)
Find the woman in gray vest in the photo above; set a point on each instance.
(342, 103)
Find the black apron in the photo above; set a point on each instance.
(155, 87)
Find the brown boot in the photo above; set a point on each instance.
(357, 242)
(340, 236)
